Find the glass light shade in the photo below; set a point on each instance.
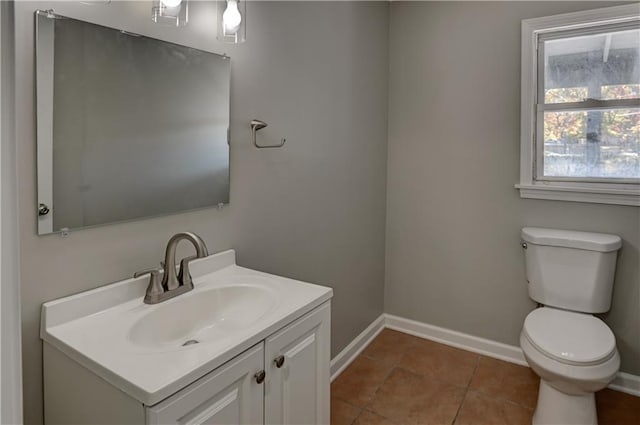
(177, 16)
(231, 21)
(171, 3)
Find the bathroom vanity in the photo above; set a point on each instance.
(243, 347)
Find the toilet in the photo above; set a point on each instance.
(570, 274)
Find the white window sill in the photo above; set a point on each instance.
(580, 194)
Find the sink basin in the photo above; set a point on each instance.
(203, 316)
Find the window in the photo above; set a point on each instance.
(581, 107)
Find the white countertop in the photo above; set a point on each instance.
(94, 328)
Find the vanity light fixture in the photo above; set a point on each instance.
(232, 21)
(170, 12)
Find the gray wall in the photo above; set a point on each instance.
(11, 390)
(314, 210)
(453, 215)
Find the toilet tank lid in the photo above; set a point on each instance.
(571, 239)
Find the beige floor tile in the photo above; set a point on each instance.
(370, 418)
(440, 362)
(479, 409)
(360, 381)
(343, 413)
(427, 387)
(389, 346)
(616, 408)
(515, 383)
(408, 398)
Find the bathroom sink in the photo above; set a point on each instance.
(202, 316)
(150, 351)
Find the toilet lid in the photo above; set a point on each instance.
(573, 338)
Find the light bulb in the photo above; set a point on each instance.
(171, 3)
(231, 18)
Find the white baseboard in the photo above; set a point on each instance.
(627, 383)
(457, 339)
(355, 347)
(624, 382)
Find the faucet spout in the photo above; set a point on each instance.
(170, 280)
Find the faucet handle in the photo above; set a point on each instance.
(146, 271)
(184, 276)
(154, 288)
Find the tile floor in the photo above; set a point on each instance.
(400, 379)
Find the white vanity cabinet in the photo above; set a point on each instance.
(297, 387)
(242, 347)
(293, 389)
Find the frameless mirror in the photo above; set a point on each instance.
(127, 126)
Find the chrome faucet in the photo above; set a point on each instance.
(173, 284)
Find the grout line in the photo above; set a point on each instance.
(378, 414)
(394, 365)
(352, 405)
(347, 402)
(356, 418)
(375, 393)
(500, 398)
(466, 390)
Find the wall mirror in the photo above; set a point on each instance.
(127, 126)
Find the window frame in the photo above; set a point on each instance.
(614, 191)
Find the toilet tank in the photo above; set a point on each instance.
(569, 269)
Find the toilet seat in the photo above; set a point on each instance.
(568, 337)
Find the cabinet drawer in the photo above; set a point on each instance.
(227, 395)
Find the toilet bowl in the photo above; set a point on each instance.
(575, 355)
(571, 274)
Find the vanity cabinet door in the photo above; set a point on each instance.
(297, 364)
(230, 394)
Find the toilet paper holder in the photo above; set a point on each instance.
(259, 125)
